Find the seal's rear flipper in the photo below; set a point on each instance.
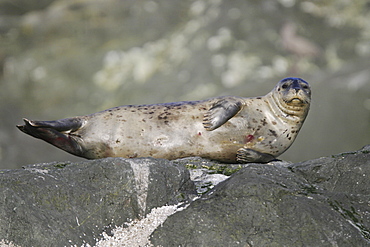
(246, 155)
(56, 133)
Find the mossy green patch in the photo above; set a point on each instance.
(308, 189)
(222, 169)
(61, 165)
(190, 166)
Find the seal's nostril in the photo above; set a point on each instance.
(296, 85)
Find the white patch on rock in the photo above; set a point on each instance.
(141, 173)
(4, 243)
(137, 232)
(205, 181)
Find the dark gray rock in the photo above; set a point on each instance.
(322, 202)
(59, 204)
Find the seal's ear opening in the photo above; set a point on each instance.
(50, 131)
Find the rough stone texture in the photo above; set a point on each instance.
(61, 204)
(322, 202)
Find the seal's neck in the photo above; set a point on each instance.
(285, 111)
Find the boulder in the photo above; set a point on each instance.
(322, 202)
(64, 204)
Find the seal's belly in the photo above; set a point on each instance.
(160, 131)
(132, 132)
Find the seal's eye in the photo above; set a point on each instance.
(284, 86)
(305, 86)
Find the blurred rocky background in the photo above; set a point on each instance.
(64, 58)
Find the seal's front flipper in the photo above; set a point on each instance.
(221, 112)
(246, 155)
(55, 133)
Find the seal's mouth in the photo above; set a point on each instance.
(295, 101)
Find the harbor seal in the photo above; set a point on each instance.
(228, 129)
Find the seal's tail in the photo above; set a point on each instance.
(58, 133)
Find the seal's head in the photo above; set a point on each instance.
(293, 96)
